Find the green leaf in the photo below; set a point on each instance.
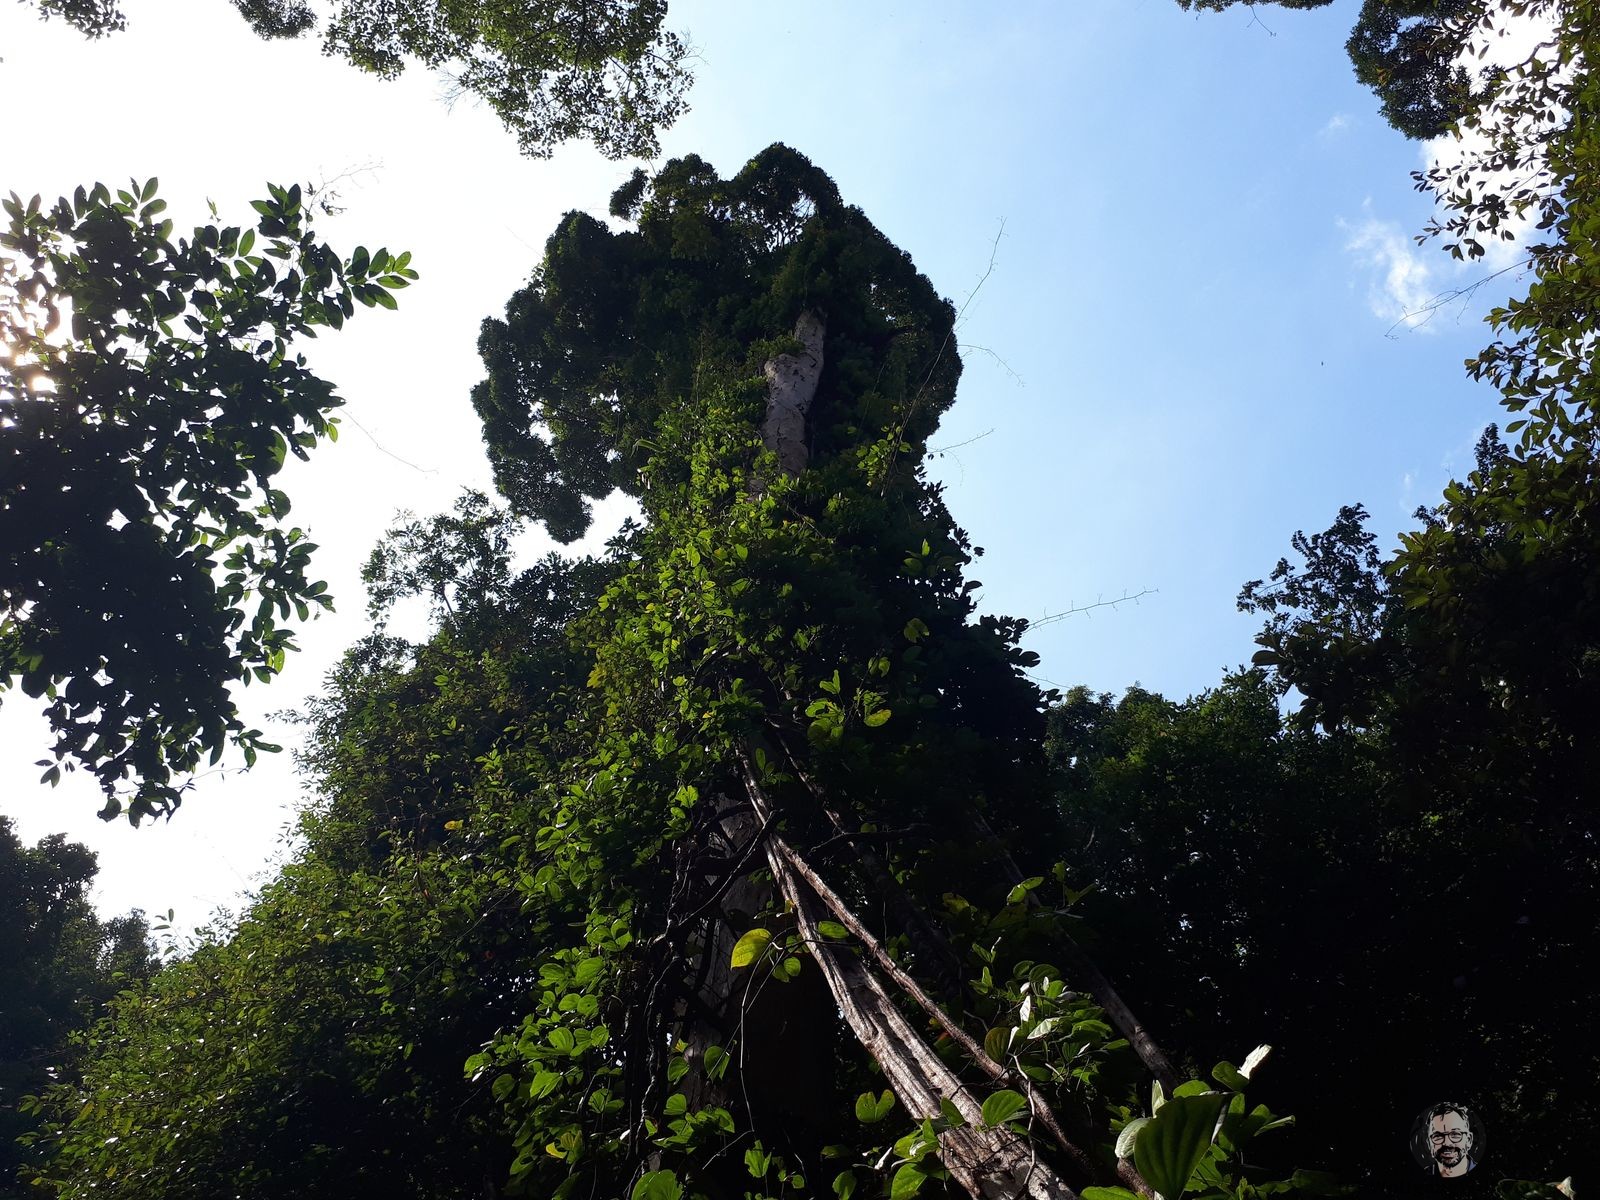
(844, 1185)
(658, 1185)
(716, 1061)
(748, 948)
(1107, 1193)
(908, 1182)
(996, 1042)
(1017, 894)
(1002, 1106)
(874, 719)
(832, 929)
(1229, 1076)
(1171, 1146)
(544, 1082)
(1126, 1139)
(1324, 1183)
(870, 1110)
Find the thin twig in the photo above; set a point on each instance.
(1051, 618)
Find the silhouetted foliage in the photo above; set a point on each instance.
(92, 18)
(147, 565)
(1401, 871)
(59, 966)
(552, 70)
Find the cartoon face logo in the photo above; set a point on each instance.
(1447, 1140)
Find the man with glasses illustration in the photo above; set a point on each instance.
(1449, 1134)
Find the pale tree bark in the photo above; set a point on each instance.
(791, 387)
(990, 1163)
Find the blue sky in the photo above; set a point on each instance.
(1200, 231)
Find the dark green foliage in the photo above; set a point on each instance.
(277, 18)
(147, 564)
(314, 1048)
(92, 18)
(1408, 51)
(618, 325)
(59, 966)
(552, 70)
(1540, 168)
(1395, 883)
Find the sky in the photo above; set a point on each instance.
(1181, 245)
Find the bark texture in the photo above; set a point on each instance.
(990, 1163)
(791, 387)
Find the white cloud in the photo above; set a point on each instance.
(1403, 278)
(1337, 123)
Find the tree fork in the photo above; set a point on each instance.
(988, 1162)
(932, 943)
(991, 1164)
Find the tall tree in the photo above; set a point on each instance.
(774, 830)
(147, 561)
(785, 673)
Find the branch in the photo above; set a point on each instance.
(781, 852)
(1051, 618)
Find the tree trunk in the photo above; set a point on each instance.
(791, 387)
(989, 1163)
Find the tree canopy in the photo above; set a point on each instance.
(603, 71)
(618, 326)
